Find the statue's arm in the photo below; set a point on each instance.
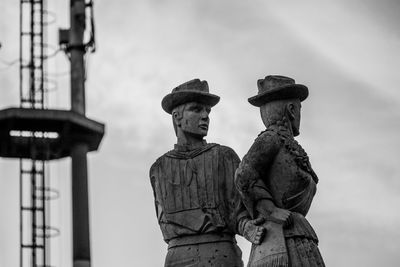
(154, 170)
(237, 212)
(239, 218)
(247, 177)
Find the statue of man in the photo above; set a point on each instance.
(276, 181)
(197, 205)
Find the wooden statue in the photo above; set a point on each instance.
(197, 206)
(276, 181)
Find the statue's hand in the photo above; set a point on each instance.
(283, 215)
(254, 232)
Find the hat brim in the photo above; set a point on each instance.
(175, 99)
(298, 91)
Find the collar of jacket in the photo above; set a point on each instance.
(186, 153)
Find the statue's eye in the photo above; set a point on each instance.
(197, 109)
(193, 108)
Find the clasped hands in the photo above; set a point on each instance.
(255, 231)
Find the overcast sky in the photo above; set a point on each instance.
(346, 52)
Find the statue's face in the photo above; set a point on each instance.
(195, 119)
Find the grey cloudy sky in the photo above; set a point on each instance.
(346, 52)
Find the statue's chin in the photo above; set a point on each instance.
(295, 131)
(196, 135)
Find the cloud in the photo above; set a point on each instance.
(363, 43)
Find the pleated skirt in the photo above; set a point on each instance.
(303, 252)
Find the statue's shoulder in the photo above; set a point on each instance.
(267, 144)
(269, 137)
(226, 149)
(154, 167)
(228, 153)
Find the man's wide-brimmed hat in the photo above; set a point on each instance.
(191, 91)
(276, 87)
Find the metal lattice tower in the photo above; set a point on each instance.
(36, 134)
(34, 192)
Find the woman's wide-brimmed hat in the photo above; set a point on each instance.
(191, 91)
(276, 87)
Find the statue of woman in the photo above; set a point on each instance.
(276, 181)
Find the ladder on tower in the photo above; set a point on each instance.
(34, 192)
(32, 54)
(34, 197)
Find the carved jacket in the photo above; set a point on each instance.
(277, 168)
(194, 191)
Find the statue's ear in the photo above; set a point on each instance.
(175, 117)
(290, 108)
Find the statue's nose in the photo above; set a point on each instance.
(204, 115)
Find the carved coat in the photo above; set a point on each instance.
(194, 191)
(277, 168)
